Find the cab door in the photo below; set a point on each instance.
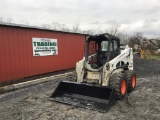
(114, 48)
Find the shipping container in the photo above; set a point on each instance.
(17, 59)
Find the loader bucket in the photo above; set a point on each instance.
(90, 96)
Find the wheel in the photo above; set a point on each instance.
(131, 80)
(73, 77)
(118, 82)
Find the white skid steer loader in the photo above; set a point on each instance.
(100, 78)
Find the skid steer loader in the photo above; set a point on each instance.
(100, 78)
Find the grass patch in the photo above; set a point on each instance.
(156, 57)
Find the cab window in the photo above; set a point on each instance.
(115, 45)
(104, 45)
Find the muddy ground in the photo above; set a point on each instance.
(32, 103)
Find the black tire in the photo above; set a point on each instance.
(131, 80)
(116, 81)
(73, 77)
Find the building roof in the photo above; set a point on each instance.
(35, 27)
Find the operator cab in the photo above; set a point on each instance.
(105, 47)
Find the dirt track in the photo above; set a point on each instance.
(32, 103)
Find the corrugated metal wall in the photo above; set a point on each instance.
(16, 55)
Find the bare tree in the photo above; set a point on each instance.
(90, 32)
(158, 43)
(124, 38)
(64, 28)
(158, 38)
(141, 42)
(139, 38)
(9, 20)
(47, 26)
(76, 28)
(113, 29)
(56, 26)
(131, 42)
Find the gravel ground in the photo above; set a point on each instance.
(146, 68)
(32, 103)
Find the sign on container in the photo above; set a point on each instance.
(44, 46)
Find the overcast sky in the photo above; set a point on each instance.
(132, 15)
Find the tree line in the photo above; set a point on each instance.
(136, 38)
